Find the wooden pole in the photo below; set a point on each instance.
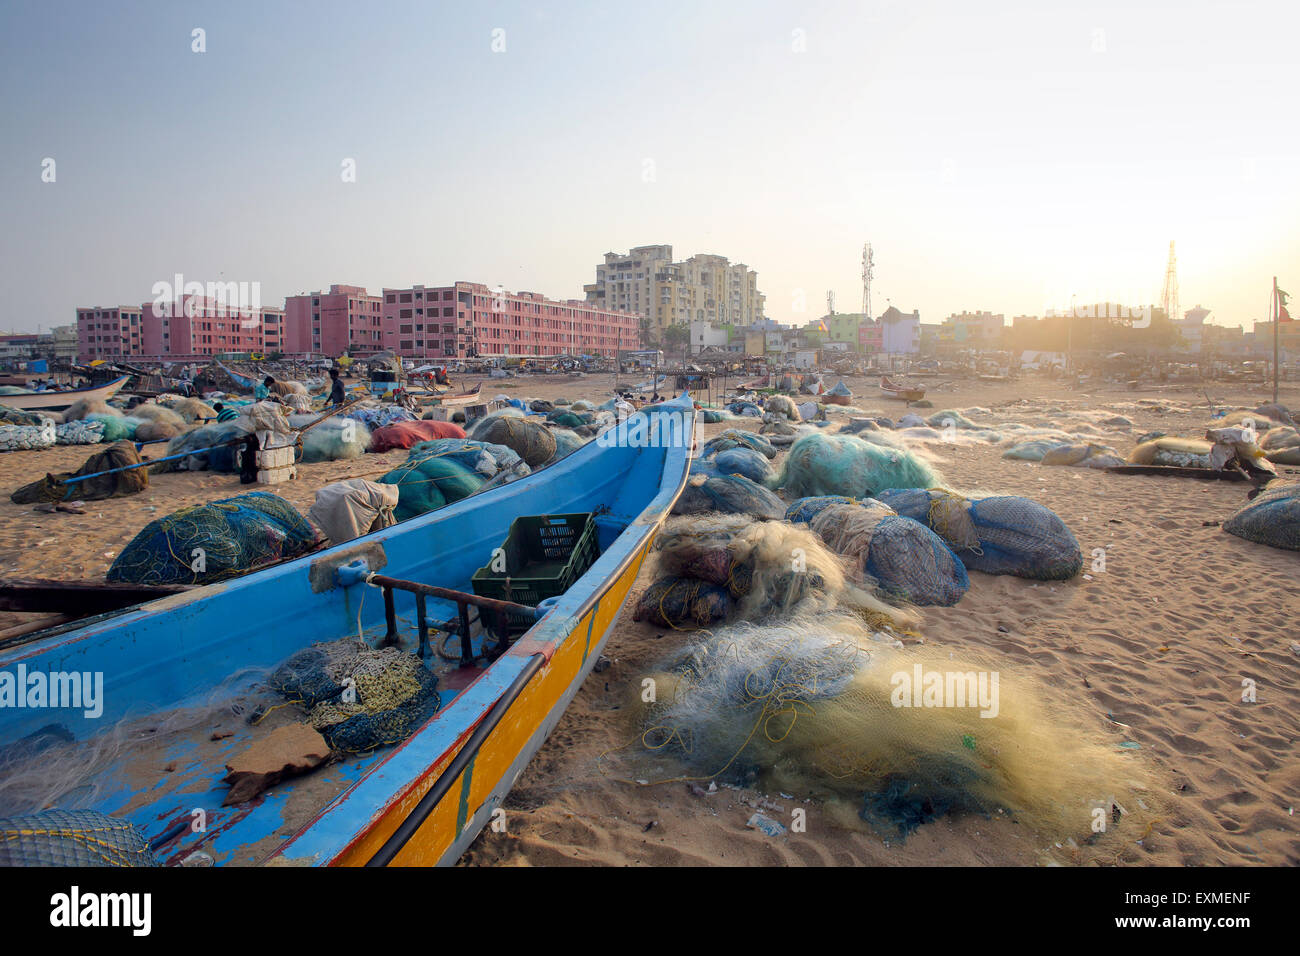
(1277, 314)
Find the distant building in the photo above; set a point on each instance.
(972, 330)
(472, 320)
(901, 332)
(346, 319)
(190, 328)
(703, 288)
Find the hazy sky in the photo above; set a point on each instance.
(999, 156)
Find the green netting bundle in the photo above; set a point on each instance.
(205, 543)
(569, 419)
(116, 428)
(427, 483)
(335, 439)
(820, 464)
(357, 697)
(72, 838)
(1273, 518)
(566, 443)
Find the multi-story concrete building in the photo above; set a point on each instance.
(972, 330)
(470, 319)
(346, 319)
(107, 332)
(703, 288)
(193, 327)
(901, 333)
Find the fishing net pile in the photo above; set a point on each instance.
(27, 437)
(729, 494)
(821, 464)
(783, 405)
(894, 737)
(357, 697)
(333, 439)
(205, 543)
(191, 410)
(208, 447)
(1273, 518)
(1178, 452)
(79, 433)
(351, 508)
(72, 838)
(116, 427)
(433, 477)
(377, 416)
(406, 434)
(908, 561)
(740, 461)
(1281, 445)
(88, 406)
(1082, 456)
(483, 457)
(19, 416)
(717, 567)
(115, 485)
(532, 441)
(566, 443)
(736, 438)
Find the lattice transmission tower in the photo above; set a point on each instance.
(1169, 297)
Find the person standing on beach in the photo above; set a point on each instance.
(336, 390)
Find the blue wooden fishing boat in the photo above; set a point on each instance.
(419, 802)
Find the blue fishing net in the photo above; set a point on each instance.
(72, 838)
(1273, 518)
(912, 562)
(743, 461)
(1021, 537)
(803, 510)
(205, 543)
(736, 438)
(729, 494)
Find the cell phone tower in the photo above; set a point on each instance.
(868, 269)
(1169, 297)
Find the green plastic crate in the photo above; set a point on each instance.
(545, 555)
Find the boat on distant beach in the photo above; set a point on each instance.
(906, 393)
(58, 401)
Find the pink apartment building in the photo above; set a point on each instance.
(105, 332)
(331, 323)
(193, 328)
(471, 320)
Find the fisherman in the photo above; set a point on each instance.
(263, 391)
(336, 389)
(224, 414)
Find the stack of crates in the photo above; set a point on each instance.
(543, 555)
(275, 457)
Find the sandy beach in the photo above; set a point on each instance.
(1159, 642)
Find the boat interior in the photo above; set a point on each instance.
(182, 676)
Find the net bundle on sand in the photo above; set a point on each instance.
(1273, 518)
(887, 736)
(730, 494)
(908, 560)
(715, 566)
(820, 464)
(532, 441)
(205, 543)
